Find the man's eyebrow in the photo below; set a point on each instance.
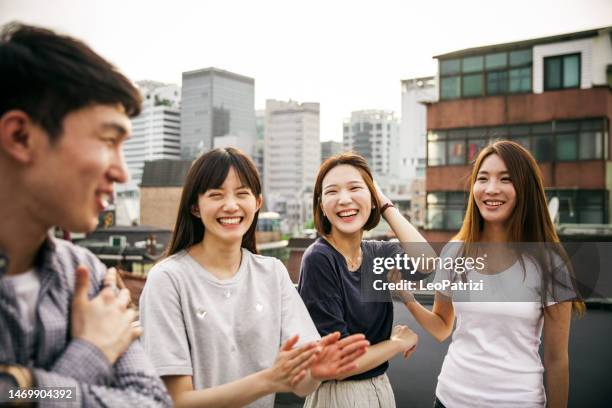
(115, 127)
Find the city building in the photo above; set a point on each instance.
(292, 153)
(550, 94)
(155, 136)
(160, 192)
(374, 134)
(416, 92)
(216, 103)
(330, 148)
(258, 155)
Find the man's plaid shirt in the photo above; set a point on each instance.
(54, 357)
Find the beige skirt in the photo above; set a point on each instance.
(371, 393)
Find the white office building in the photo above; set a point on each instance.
(416, 92)
(292, 153)
(155, 136)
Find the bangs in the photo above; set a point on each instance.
(214, 170)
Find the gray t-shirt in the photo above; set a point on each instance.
(217, 330)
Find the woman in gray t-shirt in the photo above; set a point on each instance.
(215, 313)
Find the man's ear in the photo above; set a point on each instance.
(258, 202)
(16, 136)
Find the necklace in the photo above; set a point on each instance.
(353, 263)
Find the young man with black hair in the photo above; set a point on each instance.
(64, 115)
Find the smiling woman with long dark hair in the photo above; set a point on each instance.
(214, 312)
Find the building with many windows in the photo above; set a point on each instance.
(216, 103)
(292, 153)
(552, 95)
(155, 136)
(374, 134)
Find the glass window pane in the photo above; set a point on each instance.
(435, 218)
(552, 73)
(519, 130)
(454, 219)
(590, 198)
(456, 152)
(499, 131)
(472, 64)
(457, 133)
(474, 147)
(472, 85)
(542, 147)
(564, 126)
(523, 141)
(435, 153)
(451, 88)
(497, 82)
(450, 67)
(591, 124)
(590, 216)
(498, 60)
(571, 71)
(456, 197)
(542, 128)
(566, 147)
(590, 145)
(520, 80)
(477, 132)
(522, 57)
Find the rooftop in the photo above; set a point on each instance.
(526, 43)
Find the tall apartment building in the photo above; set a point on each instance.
(216, 103)
(155, 136)
(416, 92)
(374, 134)
(260, 126)
(292, 153)
(552, 95)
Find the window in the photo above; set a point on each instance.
(548, 141)
(562, 72)
(581, 206)
(497, 73)
(445, 210)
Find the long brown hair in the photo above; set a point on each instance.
(210, 171)
(530, 220)
(322, 224)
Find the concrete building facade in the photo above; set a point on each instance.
(374, 134)
(292, 153)
(552, 95)
(155, 136)
(216, 103)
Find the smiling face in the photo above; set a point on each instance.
(227, 212)
(71, 181)
(494, 193)
(346, 200)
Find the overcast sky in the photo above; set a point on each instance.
(347, 55)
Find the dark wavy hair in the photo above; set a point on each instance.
(48, 75)
(210, 171)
